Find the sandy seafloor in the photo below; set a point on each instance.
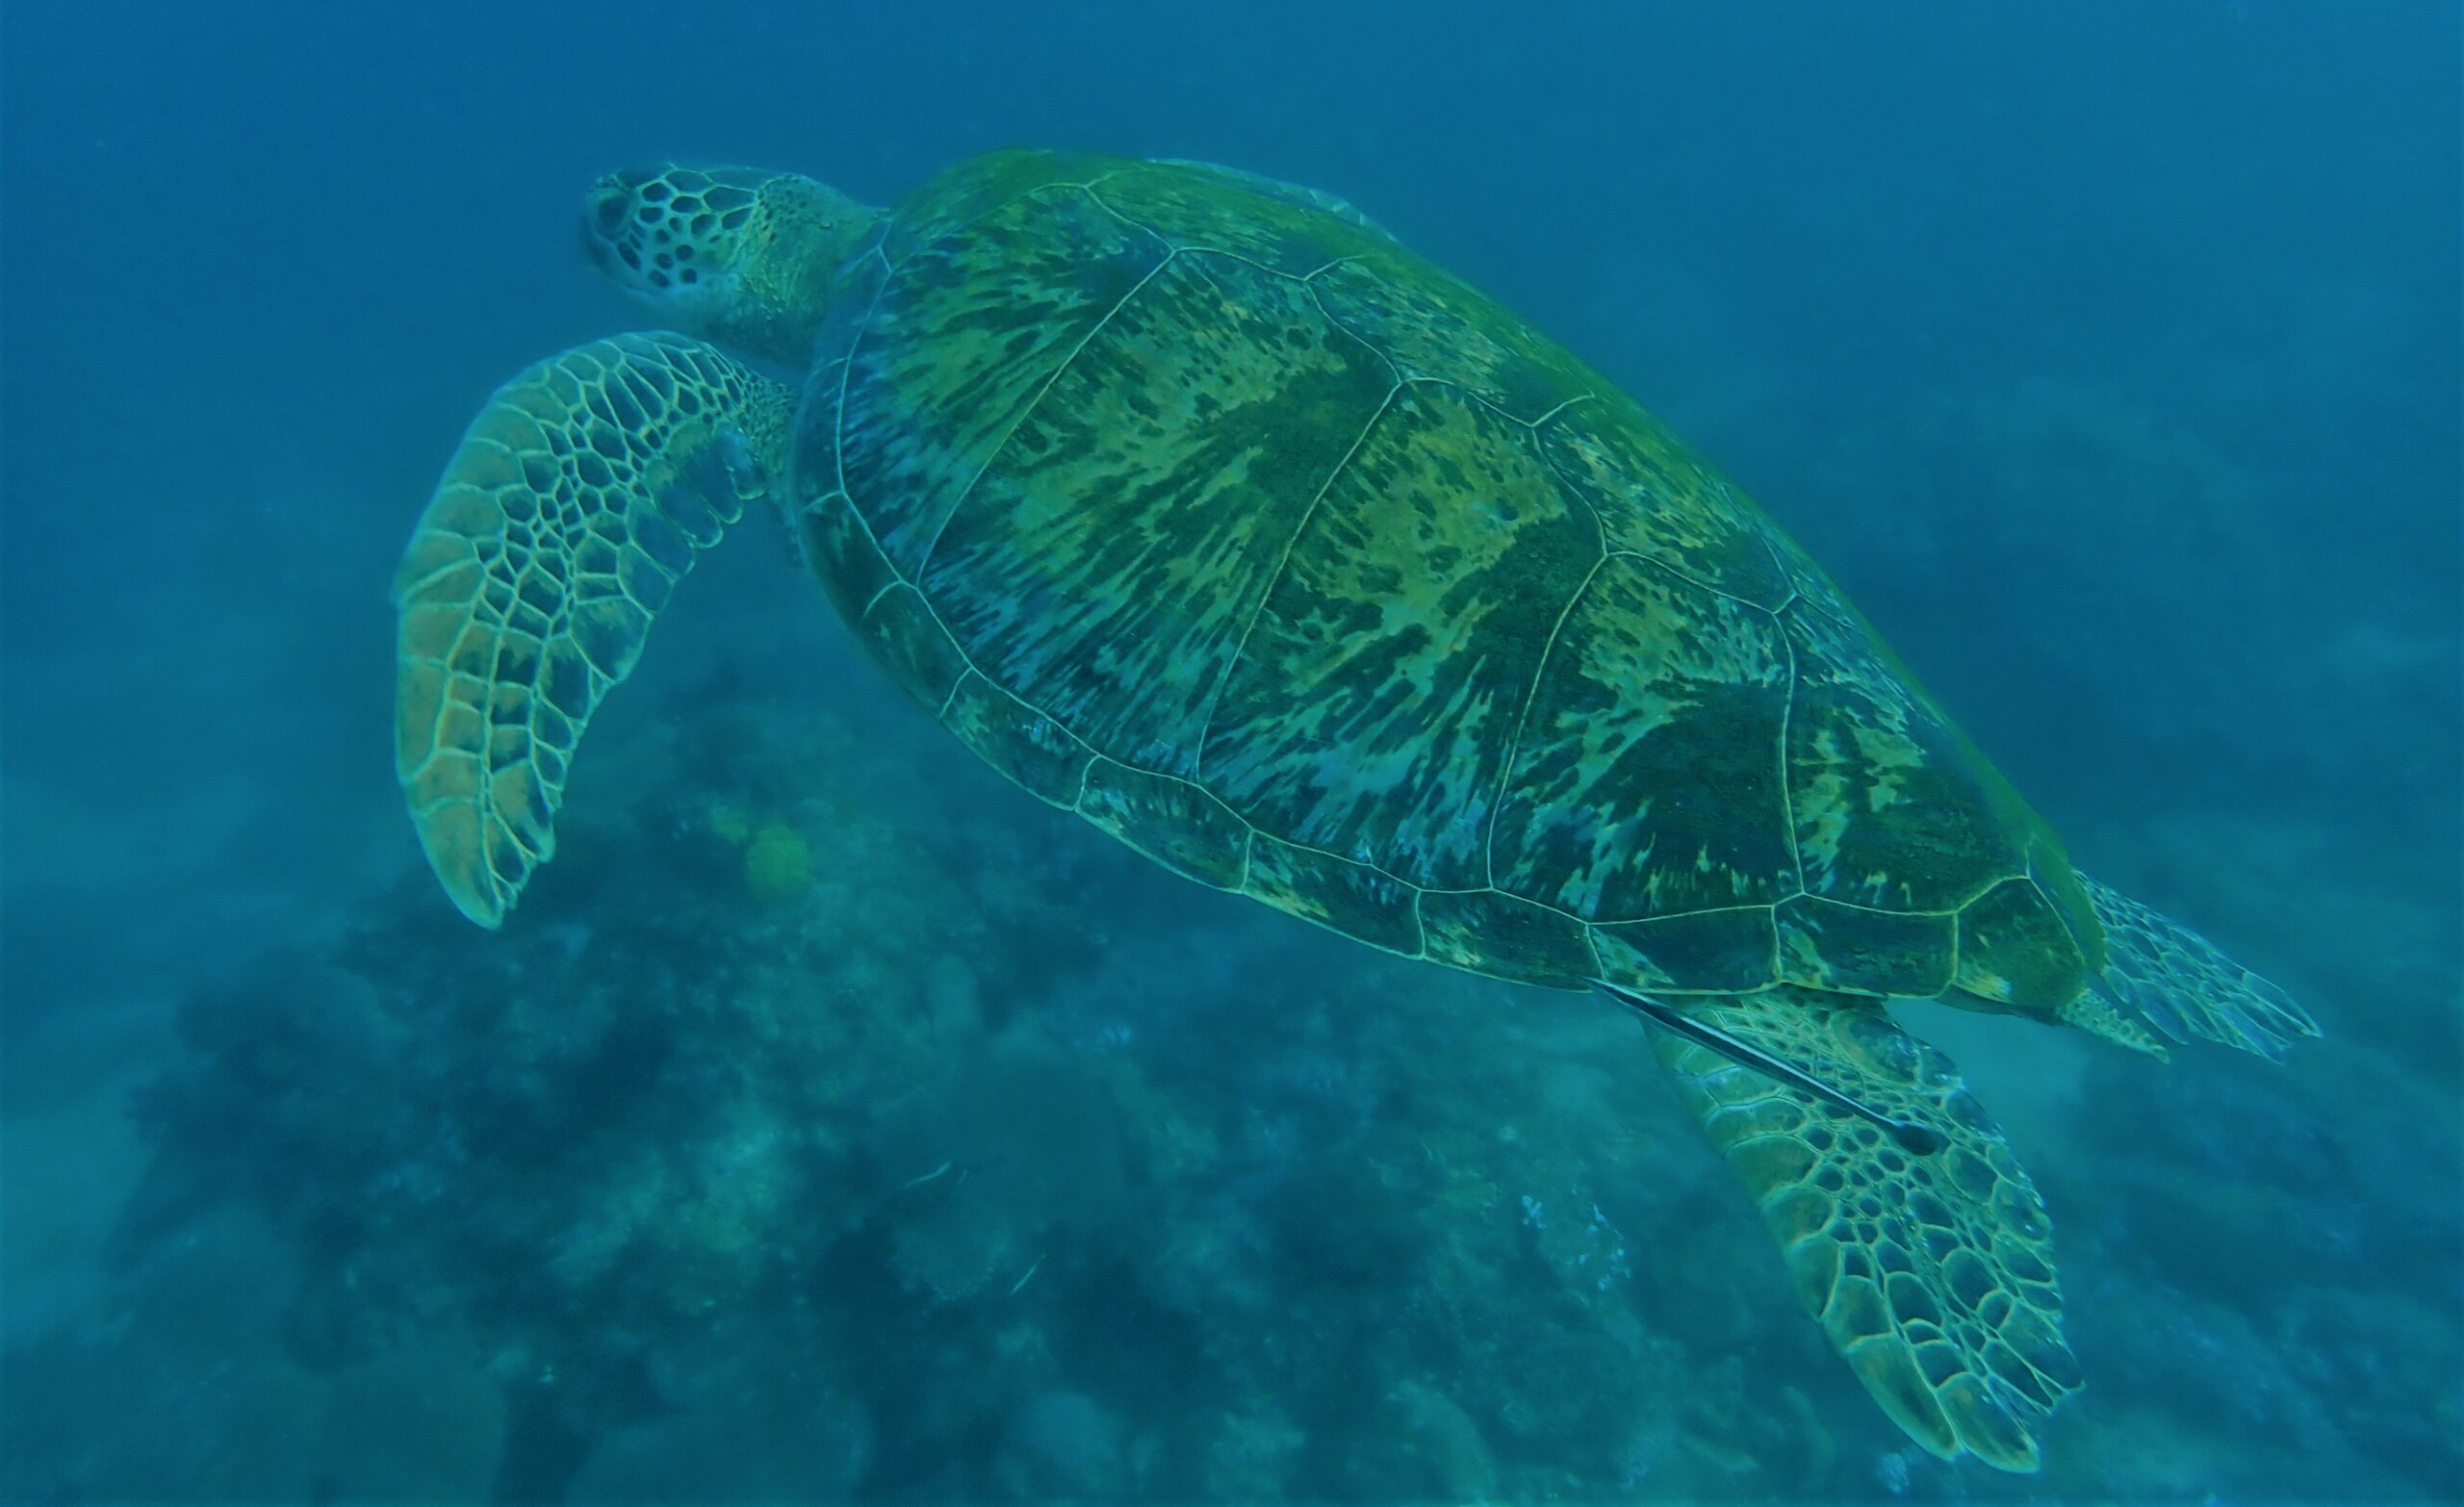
(834, 1120)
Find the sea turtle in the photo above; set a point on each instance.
(1197, 504)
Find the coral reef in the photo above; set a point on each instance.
(942, 1151)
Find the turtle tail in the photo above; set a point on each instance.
(2181, 984)
(574, 503)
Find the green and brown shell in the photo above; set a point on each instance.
(1306, 569)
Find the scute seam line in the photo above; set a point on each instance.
(1662, 565)
(838, 416)
(1273, 579)
(1787, 714)
(978, 219)
(1522, 718)
(924, 562)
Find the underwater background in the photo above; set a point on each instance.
(834, 1120)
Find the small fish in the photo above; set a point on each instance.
(918, 1182)
(1022, 1280)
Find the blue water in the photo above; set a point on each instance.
(2106, 354)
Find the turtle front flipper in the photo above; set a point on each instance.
(1931, 1273)
(2185, 988)
(573, 506)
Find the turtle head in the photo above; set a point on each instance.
(739, 255)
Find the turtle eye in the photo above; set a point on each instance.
(608, 212)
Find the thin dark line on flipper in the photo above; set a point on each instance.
(1919, 1139)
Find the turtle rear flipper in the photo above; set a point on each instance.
(1932, 1274)
(574, 503)
(2185, 987)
